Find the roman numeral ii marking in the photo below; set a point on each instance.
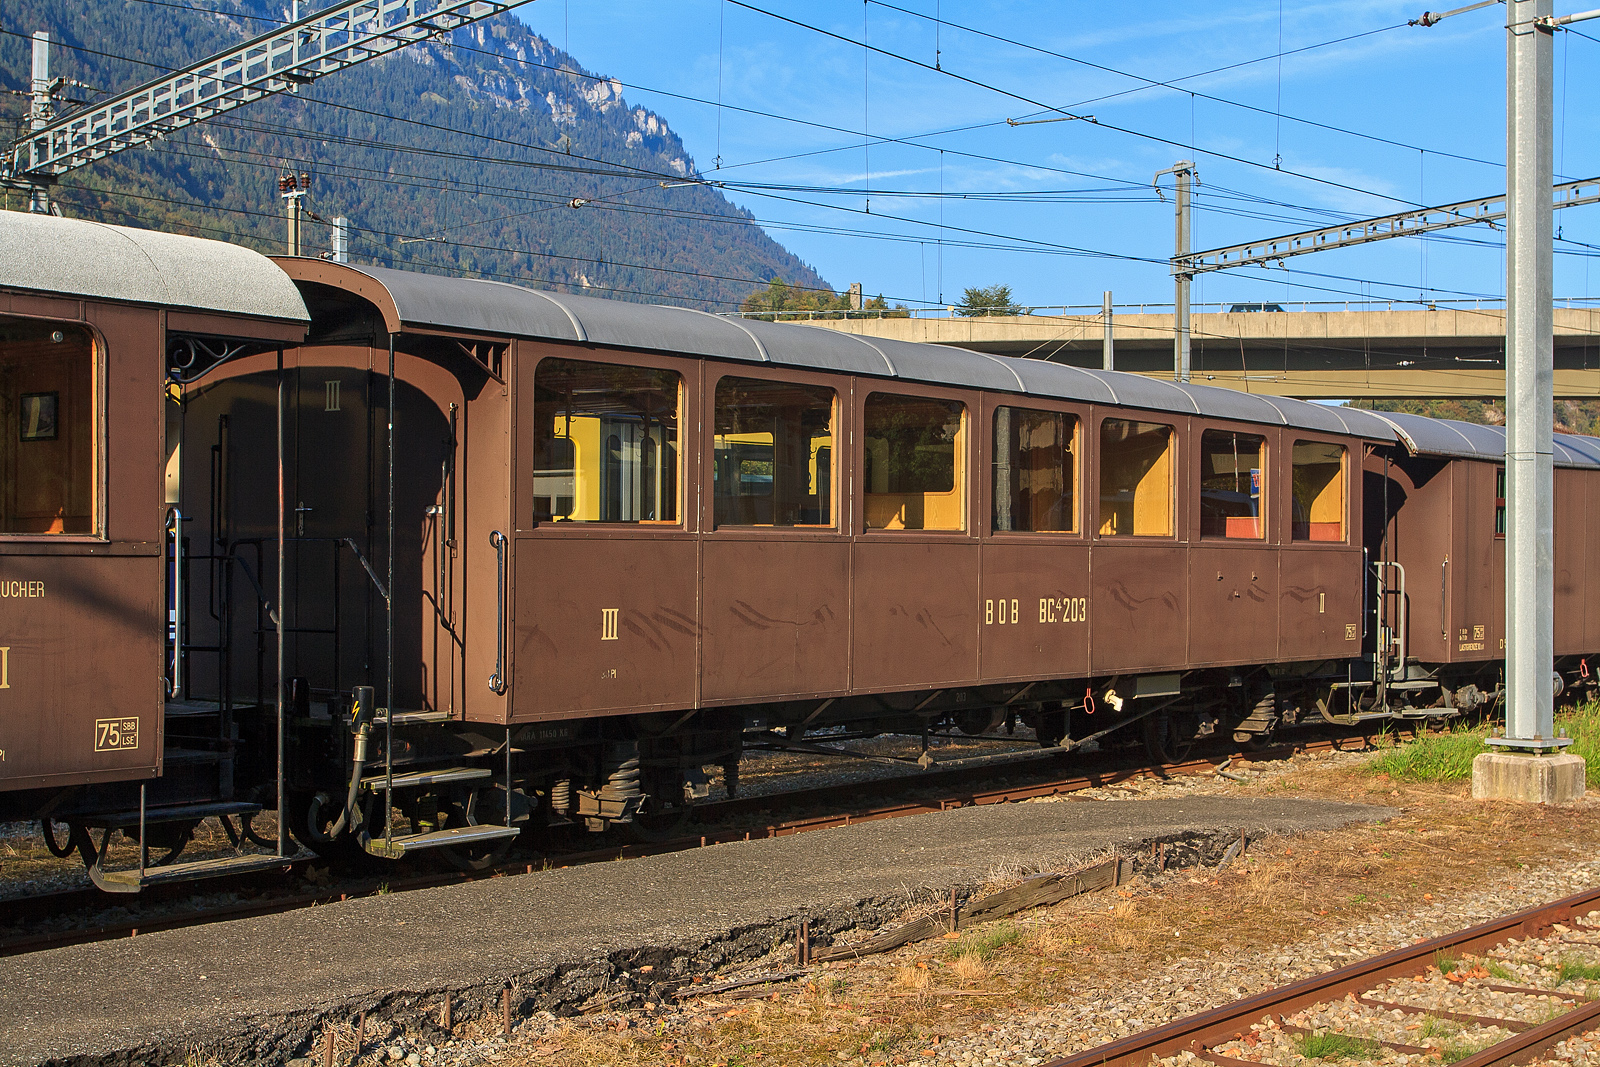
(5, 666)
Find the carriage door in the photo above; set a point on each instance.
(334, 625)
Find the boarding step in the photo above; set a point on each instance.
(118, 820)
(412, 779)
(412, 718)
(131, 881)
(176, 709)
(396, 847)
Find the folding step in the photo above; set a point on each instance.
(412, 718)
(118, 820)
(412, 779)
(462, 835)
(131, 881)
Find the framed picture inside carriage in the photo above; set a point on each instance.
(38, 416)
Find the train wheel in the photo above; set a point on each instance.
(1164, 740)
(481, 805)
(666, 808)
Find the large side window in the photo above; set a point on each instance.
(1135, 479)
(913, 466)
(605, 443)
(1319, 477)
(773, 454)
(47, 448)
(1035, 470)
(1231, 485)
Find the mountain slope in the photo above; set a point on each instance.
(478, 145)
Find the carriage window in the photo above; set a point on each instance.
(605, 443)
(1318, 492)
(1135, 479)
(913, 463)
(1230, 485)
(47, 447)
(1035, 470)
(773, 454)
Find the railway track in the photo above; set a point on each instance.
(1392, 1008)
(740, 819)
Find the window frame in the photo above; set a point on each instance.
(1353, 455)
(1500, 503)
(840, 386)
(969, 453)
(98, 532)
(1083, 416)
(1269, 441)
(1177, 481)
(522, 449)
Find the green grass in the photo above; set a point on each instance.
(1446, 964)
(986, 942)
(1445, 757)
(1448, 756)
(1456, 1049)
(1583, 726)
(1574, 969)
(1500, 971)
(1323, 1045)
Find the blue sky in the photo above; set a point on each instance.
(1036, 198)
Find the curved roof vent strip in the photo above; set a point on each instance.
(577, 324)
(1068, 368)
(1283, 412)
(1466, 448)
(1022, 386)
(761, 349)
(894, 372)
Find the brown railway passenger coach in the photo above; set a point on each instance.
(492, 561)
(92, 318)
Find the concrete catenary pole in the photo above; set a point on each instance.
(341, 239)
(1108, 355)
(41, 108)
(1530, 566)
(1183, 178)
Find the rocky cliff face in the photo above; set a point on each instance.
(460, 155)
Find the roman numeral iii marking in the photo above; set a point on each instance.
(608, 624)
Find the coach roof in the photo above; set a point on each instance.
(49, 254)
(1470, 440)
(435, 301)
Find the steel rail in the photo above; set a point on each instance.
(49, 905)
(1196, 1032)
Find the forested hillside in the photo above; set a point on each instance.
(1571, 416)
(478, 145)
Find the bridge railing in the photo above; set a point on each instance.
(1093, 311)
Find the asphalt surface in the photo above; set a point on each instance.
(202, 984)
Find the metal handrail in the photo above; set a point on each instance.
(497, 680)
(175, 523)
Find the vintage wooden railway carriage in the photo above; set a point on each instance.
(614, 545)
(91, 319)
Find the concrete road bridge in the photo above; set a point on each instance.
(1311, 350)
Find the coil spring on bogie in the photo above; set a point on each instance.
(561, 796)
(620, 765)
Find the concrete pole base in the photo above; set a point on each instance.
(1557, 779)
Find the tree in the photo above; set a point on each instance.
(780, 300)
(987, 300)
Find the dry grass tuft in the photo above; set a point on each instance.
(915, 979)
(968, 969)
